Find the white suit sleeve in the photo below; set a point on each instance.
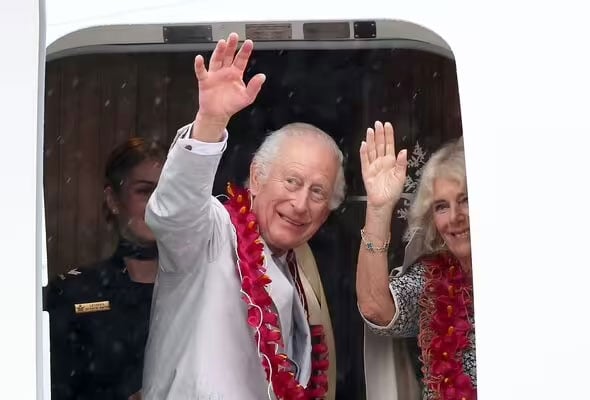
(182, 211)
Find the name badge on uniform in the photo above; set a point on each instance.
(84, 308)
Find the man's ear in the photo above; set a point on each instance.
(111, 200)
(255, 180)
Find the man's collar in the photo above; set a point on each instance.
(282, 257)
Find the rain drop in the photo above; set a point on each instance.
(75, 82)
(106, 103)
(157, 100)
(124, 85)
(68, 179)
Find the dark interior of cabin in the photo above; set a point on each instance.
(94, 102)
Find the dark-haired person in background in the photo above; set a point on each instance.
(100, 313)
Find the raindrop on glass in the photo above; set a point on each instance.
(157, 100)
(124, 85)
(106, 103)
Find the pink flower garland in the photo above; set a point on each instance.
(262, 318)
(445, 328)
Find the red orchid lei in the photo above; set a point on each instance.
(261, 317)
(445, 327)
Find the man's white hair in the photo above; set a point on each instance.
(270, 149)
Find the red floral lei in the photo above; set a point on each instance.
(261, 317)
(445, 327)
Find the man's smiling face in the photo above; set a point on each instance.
(292, 201)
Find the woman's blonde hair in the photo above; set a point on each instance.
(448, 162)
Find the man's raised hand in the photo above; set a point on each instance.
(222, 91)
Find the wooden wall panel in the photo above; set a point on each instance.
(88, 158)
(182, 93)
(68, 140)
(152, 102)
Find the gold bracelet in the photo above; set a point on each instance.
(371, 247)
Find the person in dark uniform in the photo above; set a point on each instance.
(100, 313)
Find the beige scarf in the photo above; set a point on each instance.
(317, 307)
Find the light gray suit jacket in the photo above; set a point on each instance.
(200, 345)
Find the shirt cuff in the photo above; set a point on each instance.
(202, 148)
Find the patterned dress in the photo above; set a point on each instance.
(408, 289)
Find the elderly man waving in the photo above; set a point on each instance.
(239, 310)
